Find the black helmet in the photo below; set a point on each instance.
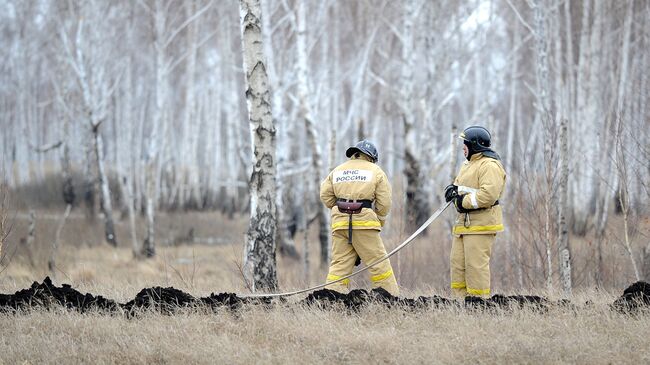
(476, 138)
(365, 147)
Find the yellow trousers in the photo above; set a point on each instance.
(470, 265)
(367, 244)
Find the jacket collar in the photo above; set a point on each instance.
(476, 156)
(361, 157)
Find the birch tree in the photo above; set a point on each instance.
(621, 117)
(286, 244)
(544, 115)
(90, 64)
(417, 202)
(563, 228)
(163, 35)
(643, 110)
(304, 94)
(259, 256)
(190, 184)
(68, 192)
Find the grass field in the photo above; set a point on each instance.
(289, 334)
(295, 334)
(306, 335)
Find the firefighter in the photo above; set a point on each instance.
(475, 193)
(359, 196)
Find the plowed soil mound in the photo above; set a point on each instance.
(47, 294)
(169, 300)
(358, 298)
(233, 302)
(635, 297)
(165, 300)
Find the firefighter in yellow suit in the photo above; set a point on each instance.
(358, 180)
(475, 193)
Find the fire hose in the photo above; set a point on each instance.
(408, 241)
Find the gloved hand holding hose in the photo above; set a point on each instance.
(451, 192)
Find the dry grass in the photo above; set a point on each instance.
(424, 265)
(299, 335)
(292, 334)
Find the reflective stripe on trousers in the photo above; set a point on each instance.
(470, 264)
(331, 278)
(366, 244)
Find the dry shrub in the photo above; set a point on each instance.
(6, 222)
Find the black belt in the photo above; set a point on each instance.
(364, 202)
(466, 222)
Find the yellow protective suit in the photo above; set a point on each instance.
(482, 180)
(358, 179)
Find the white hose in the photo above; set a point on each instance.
(424, 226)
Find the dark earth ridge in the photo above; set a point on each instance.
(169, 300)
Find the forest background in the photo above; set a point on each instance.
(126, 143)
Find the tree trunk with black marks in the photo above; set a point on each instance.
(29, 242)
(51, 262)
(646, 263)
(514, 264)
(130, 202)
(312, 132)
(417, 205)
(90, 69)
(544, 115)
(89, 188)
(580, 202)
(563, 227)
(102, 179)
(622, 164)
(259, 255)
(286, 243)
(158, 121)
(417, 202)
(189, 186)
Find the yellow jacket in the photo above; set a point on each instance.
(357, 179)
(482, 179)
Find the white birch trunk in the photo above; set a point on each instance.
(312, 132)
(130, 201)
(91, 75)
(232, 136)
(259, 256)
(334, 83)
(51, 262)
(31, 232)
(621, 162)
(581, 183)
(563, 234)
(512, 112)
(417, 202)
(594, 118)
(107, 205)
(306, 265)
(643, 111)
(561, 105)
(286, 244)
(152, 165)
(190, 180)
(510, 141)
(539, 10)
